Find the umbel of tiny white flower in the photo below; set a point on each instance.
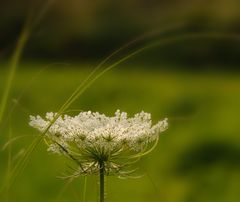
(95, 141)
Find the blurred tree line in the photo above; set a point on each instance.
(89, 30)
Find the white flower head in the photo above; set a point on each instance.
(91, 137)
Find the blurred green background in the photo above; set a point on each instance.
(194, 81)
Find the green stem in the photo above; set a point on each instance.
(84, 189)
(101, 177)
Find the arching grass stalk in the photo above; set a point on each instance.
(9, 162)
(13, 66)
(42, 12)
(87, 83)
(3, 103)
(31, 22)
(94, 76)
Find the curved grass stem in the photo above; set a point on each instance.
(12, 68)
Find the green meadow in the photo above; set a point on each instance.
(197, 158)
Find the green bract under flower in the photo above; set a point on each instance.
(91, 137)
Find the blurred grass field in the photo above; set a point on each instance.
(197, 159)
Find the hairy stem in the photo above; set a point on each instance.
(101, 178)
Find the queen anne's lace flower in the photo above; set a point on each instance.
(91, 137)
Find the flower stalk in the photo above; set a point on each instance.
(101, 182)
